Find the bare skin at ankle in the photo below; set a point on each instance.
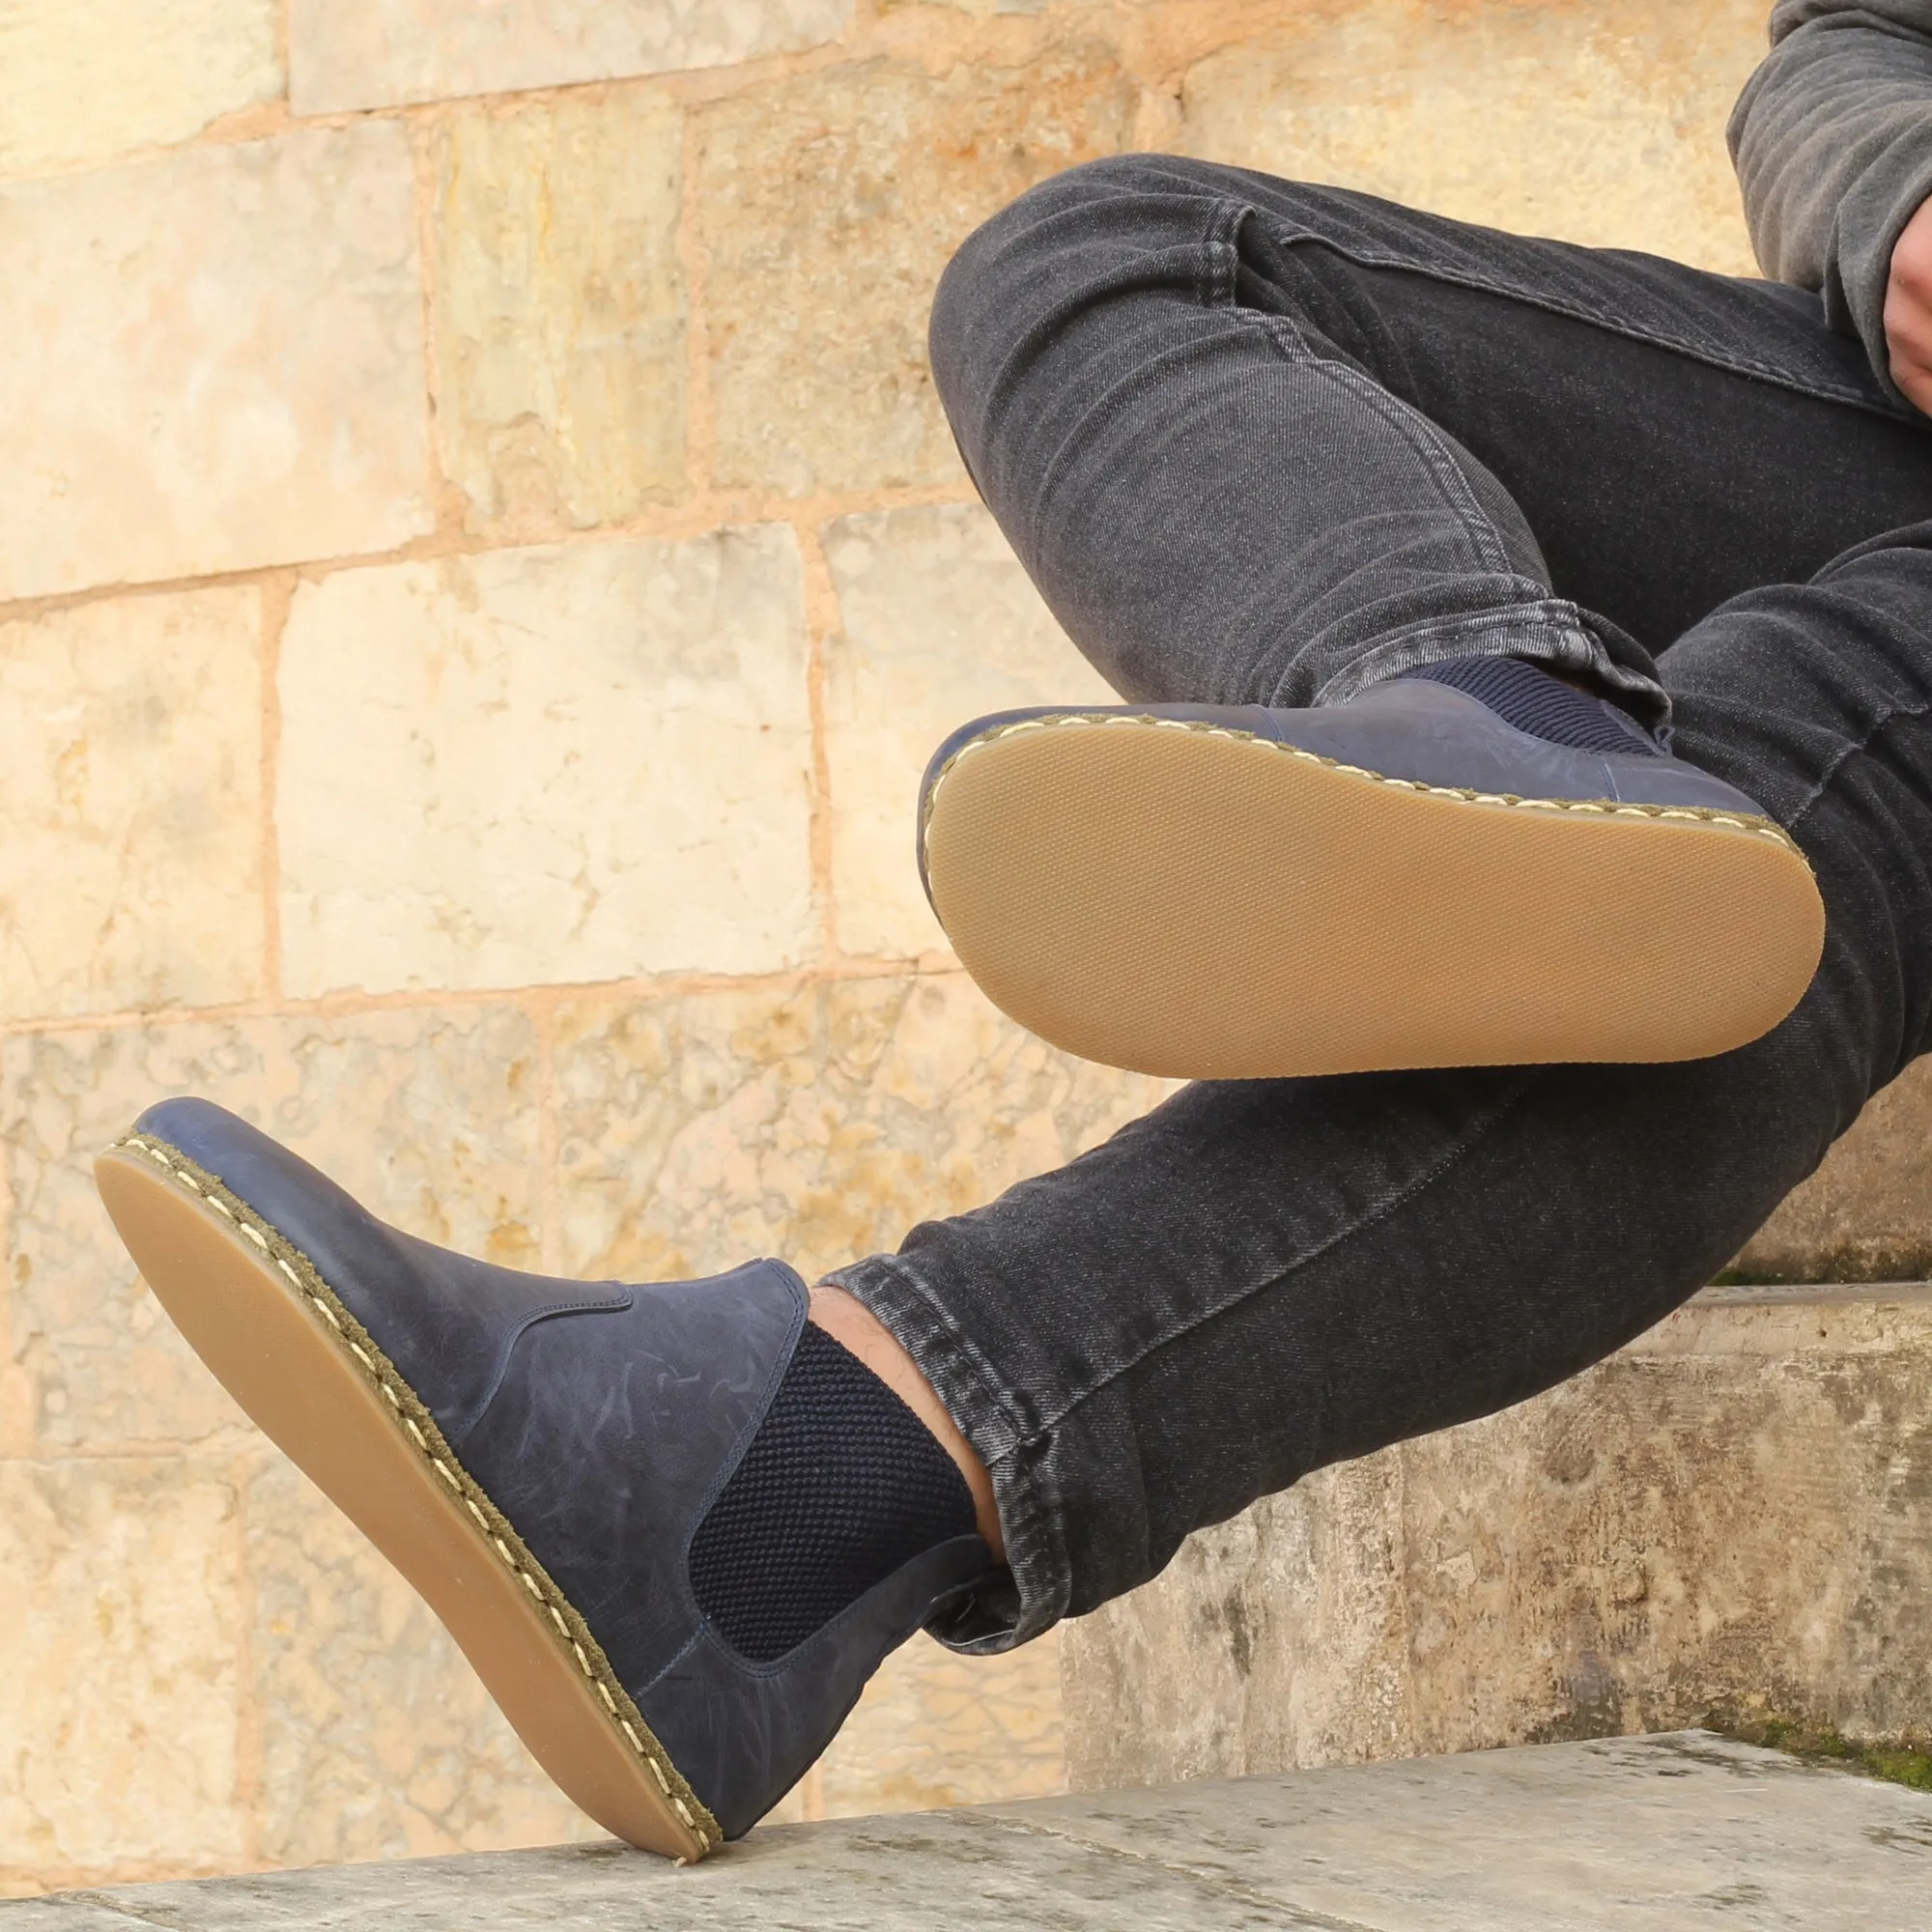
(855, 1328)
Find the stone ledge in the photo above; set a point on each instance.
(1820, 1294)
(1629, 1835)
(1733, 1513)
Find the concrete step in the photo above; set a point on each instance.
(1639, 1834)
(1734, 1513)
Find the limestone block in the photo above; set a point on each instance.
(817, 1123)
(1699, 1524)
(377, 1739)
(1866, 1214)
(347, 54)
(428, 1117)
(131, 836)
(560, 310)
(571, 764)
(1277, 1638)
(828, 204)
(1731, 1512)
(1600, 126)
(940, 624)
(214, 361)
(120, 1699)
(84, 81)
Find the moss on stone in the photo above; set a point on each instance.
(1849, 1264)
(1906, 1759)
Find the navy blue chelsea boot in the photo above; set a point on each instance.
(540, 1459)
(1473, 864)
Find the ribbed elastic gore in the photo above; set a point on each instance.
(842, 1483)
(1523, 694)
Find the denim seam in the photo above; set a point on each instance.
(948, 1335)
(971, 1359)
(1036, 1552)
(1414, 428)
(1546, 617)
(1393, 653)
(1411, 425)
(1829, 775)
(1737, 365)
(1220, 287)
(1221, 250)
(1829, 778)
(1227, 217)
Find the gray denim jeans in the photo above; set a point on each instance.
(1261, 442)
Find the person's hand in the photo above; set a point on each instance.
(1907, 309)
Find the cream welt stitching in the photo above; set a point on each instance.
(1588, 807)
(571, 1630)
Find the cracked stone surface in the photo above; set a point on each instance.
(560, 310)
(131, 775)
(1636, 1833)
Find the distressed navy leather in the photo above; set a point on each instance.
(603, 1418)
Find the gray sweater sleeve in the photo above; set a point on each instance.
(1832, 141)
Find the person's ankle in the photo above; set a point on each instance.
(860, 1333)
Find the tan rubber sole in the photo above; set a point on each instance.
(1196, 902)
(282, 1343)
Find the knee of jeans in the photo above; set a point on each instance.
(1040, 248)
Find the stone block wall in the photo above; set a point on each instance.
(481, 567)
(1731, 1516)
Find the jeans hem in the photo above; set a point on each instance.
(1553, 633)
(1033, 1593)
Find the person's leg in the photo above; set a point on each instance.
(677, 1534)
(1259, 443)
(1264, 1277)
(676, 1528)
(1275, 446)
